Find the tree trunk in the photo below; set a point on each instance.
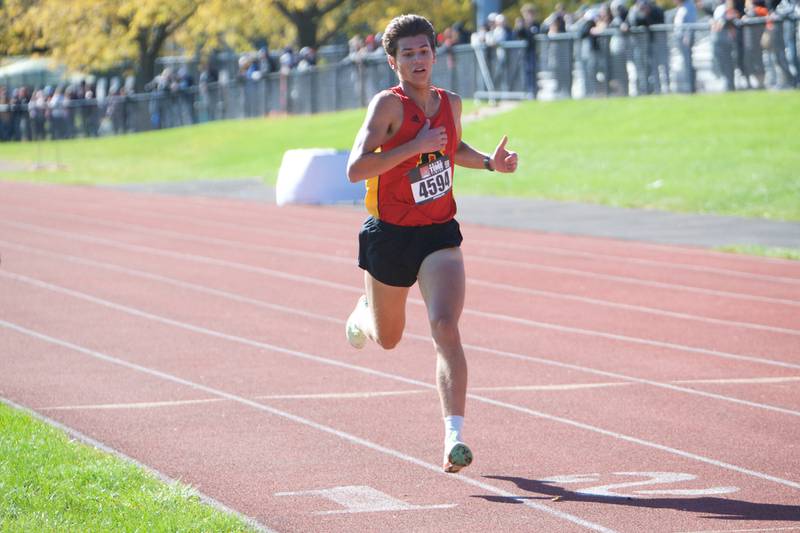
(306, 31)
(146, 70)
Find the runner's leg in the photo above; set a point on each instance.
(384, 318)
(441, 281)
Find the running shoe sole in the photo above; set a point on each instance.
(354, 335)
(459, 457)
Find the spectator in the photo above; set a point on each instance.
(116, 109)
(5, 115)
(755, 18)
(649, 54)
(308, 58)
(779, 10)
(460, 34)
(790, 11)
(556, 22)
(588, 50)
(357, 48)
(618, 49)
(266, 63)
(20, 128)
(559, 52)
(208, 92)
(723, 39)
(499, 34)
(288, 59)
(90, 114)
(37, 111)
(685, 14)
(527, 30)
(57, 105)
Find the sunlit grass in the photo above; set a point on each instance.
(733, 154)
(49, 483)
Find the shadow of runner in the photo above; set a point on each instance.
(718, 508)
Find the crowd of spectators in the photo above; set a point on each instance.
(752, 43)
(33, 114)
(750, 40)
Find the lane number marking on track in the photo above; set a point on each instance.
(362, 499)
(652, 478)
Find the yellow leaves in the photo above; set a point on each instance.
(442, 13)
(101, 33)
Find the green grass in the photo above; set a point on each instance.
(732, 154)
(764, 251)
(49, 483)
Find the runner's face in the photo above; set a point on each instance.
(414, 60)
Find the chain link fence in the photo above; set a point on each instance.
(754, 54)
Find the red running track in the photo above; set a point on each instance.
(614, 386)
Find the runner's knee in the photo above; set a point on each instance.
(444, 330)
(388, 340)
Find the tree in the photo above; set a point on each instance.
(97, 34)
(15, 36)
(91, 35)
(307, 17)
(375, 15)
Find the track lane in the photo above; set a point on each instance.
(343, 267)
(751, 505)
(270, 291)
(251, 364)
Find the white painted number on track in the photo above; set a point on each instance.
(362, 499)
(653, 478)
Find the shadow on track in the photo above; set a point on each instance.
(710, 507)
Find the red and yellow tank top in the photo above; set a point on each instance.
(418, 191)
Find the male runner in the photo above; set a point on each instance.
(406, 151)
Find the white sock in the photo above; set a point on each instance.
(452, 428)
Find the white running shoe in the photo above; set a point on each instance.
(355, 336)
(457, 456)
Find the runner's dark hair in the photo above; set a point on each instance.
(407, 26)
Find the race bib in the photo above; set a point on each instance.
(431, 180)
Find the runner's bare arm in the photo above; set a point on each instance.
(501, 159)
(384, 117)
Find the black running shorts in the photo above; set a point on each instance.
(393, 254)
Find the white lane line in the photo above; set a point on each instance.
(756, 530)
(490, 260)
(305, 422)
(747, 381)
(472, 242)
(630, 307)
(627, 338)
(635, 281)
(85, 439)
(564, 387)
(183, 256)
(384, 394)
(335, 320)
(467, 311)
(129, 405)
(637, 261)
(671, 249)
(632, 379)
(369, 371)
(323, 396)
(568, 297)
(145, 205)
(179, 403)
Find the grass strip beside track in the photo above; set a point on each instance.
(729, 154)
(764, 251)
(49, 482)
